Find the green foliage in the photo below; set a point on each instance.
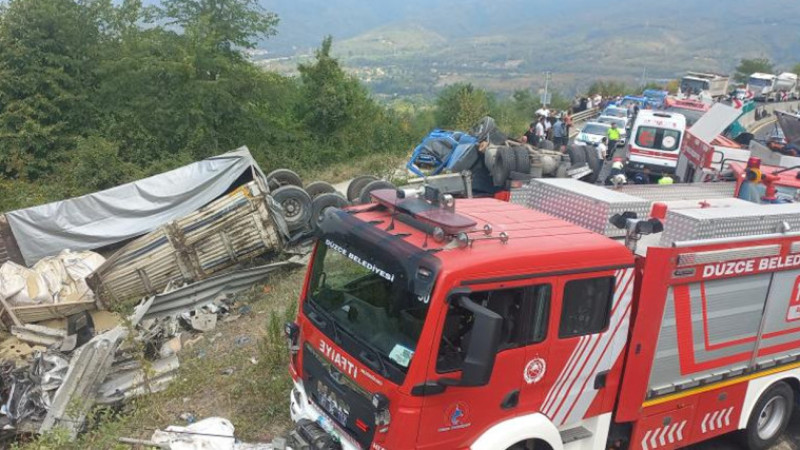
(95, 93)
(652, 85)
(608, 88)
(748, 67)
(796, 69)
(459, 106)
(48, 51)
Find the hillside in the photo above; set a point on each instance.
(413, 46)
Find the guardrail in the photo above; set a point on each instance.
(579, 118)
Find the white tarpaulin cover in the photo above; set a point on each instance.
(114, 215)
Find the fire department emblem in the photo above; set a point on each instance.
(535, 370)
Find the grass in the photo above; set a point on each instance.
(380, 164)
(254, 396)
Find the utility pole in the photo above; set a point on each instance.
(545, 99)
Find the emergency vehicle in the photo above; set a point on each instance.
(654, 141)
(575, 317)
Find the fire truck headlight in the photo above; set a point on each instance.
(380, 401)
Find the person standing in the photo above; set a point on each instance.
(568, 122)
(530, 135)
(539, 130)
(602, 149)
(613, 136)
(559, 133)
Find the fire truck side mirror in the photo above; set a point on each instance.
(482, 347)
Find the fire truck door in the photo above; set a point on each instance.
(588, 333)
(452, 418)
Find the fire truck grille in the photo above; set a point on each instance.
(339, 396)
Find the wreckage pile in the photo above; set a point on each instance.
(181, 246)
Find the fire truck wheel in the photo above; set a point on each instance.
(318, 188)
(283, 177)
(770, 416)
(358, 183)
(523, 159)
(296, 205)
(323, 202)
(577, 155)
(365, 198)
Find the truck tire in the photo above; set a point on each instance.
(357, 184)
(296, 206)
(318, 188)
(547, 145)
(577, 155)
(503, 162)
(323, 202)
(490, 157)
(283, 177)
(365, 197)
(594, 163)
(770, 416)
(523, 159)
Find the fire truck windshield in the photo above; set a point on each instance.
(368, 301)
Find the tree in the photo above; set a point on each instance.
(218, 28)
(748, 67)
(330, 98)
(796, 69)
(48, 53)
(460, 106)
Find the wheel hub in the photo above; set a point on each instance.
(771, 418)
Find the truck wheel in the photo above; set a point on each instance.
(357, 184)
(490, 157)
(508, 159)
(318, 188)
(323, 202)
(523, 159)
(594, 163)
(577, 155)
(499, 172)
(283, 177)
(547, 145)
(296, 205)
(770, 416)
(365, 197)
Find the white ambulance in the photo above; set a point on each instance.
(655, 141)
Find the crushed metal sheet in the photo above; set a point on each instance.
(133, 383)
(38, 334)
(87, 369)
(201, 293)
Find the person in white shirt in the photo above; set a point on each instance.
(602, 149)
(540, 130)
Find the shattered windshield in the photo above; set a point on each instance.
(368, 302)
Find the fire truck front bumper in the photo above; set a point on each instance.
(312, 426)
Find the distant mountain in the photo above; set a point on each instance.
(413, 46)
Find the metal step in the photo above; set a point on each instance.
(574, 434)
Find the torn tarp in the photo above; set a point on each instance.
(117, 214)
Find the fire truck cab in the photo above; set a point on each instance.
(425, 324)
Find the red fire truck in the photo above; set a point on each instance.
(574, 317)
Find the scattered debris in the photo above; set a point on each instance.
(213, 433)
(39, 335)
(203, 321)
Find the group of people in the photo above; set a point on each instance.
(548, 127)
(580, 103)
